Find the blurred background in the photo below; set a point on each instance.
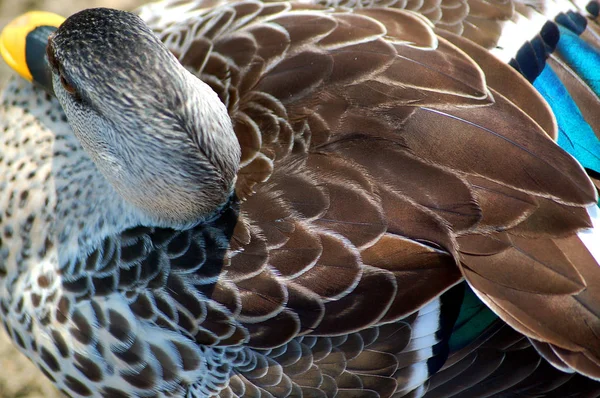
(18, 377)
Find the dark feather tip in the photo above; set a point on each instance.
(529, 63)
(593, 8)
(575, 22)
(550, 35)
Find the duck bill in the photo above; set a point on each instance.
(23, 46)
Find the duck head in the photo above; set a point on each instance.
(160, 136)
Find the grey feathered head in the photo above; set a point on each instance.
(160, 136)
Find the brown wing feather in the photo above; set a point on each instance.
(433, 73)
(569, 321)
(509, 83)
(377, 156)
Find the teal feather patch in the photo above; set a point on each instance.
(473, 319)
(575, 135)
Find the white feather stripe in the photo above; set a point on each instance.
(412, 378)
(591, 236)
(526, 25)
(581, 5)
(516, 33)
(426, 324)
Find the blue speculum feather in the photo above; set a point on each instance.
(581, 57)
(575, 134)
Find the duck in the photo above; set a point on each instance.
(295, 199)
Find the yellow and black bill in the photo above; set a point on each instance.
(23, 46)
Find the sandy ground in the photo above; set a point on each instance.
(18, 377)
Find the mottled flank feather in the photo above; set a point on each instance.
(386, 156)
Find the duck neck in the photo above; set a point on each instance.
(57, 206)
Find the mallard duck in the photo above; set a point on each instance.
(297, 200)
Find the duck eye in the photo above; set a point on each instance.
(67, 86)
(53, 62)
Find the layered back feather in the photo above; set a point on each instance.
(387, 156)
